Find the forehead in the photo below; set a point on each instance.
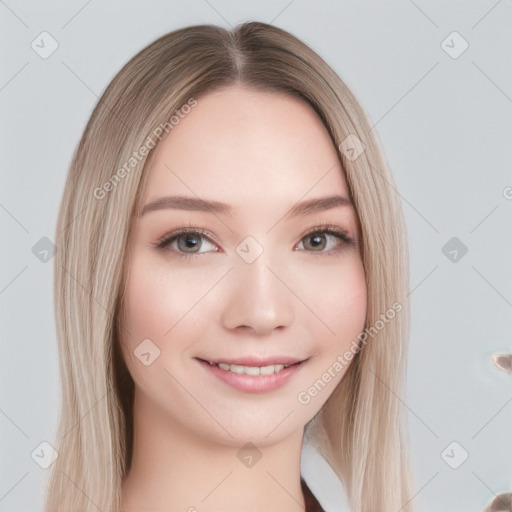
(239, 145)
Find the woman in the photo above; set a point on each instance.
(190, 378)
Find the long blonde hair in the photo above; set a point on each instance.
(361, 429)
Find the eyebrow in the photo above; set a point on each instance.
(307, 207)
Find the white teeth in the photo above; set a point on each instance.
(269, 370)
(235, 368)
(252, 370)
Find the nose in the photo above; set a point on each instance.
(258, 297)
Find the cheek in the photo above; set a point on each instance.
(158, 300)
(352, 300)
(146, 305)
(341, 305)
(167, 307)
(149, 309)
(159, 306)
(340, 301)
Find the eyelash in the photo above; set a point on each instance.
(342, 235)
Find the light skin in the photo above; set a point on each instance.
(304, 297)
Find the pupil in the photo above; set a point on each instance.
(317, 240)
(190, 241)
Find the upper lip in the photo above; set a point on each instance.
(255, 361)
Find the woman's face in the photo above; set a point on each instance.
(256, 283)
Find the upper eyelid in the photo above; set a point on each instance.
(184, 231)
(169, 237)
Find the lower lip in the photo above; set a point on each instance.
(253, 383)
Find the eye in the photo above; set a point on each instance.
(323, 240)
(330, 237)
(185, 242)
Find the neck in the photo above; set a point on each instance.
(175, 469)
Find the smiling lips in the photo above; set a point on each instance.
(253, 375)
(253, 366)
(251, 370)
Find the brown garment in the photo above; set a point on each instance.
(312, 504)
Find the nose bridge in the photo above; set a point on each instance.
(257, 298)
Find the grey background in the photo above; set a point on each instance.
(446, 128)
